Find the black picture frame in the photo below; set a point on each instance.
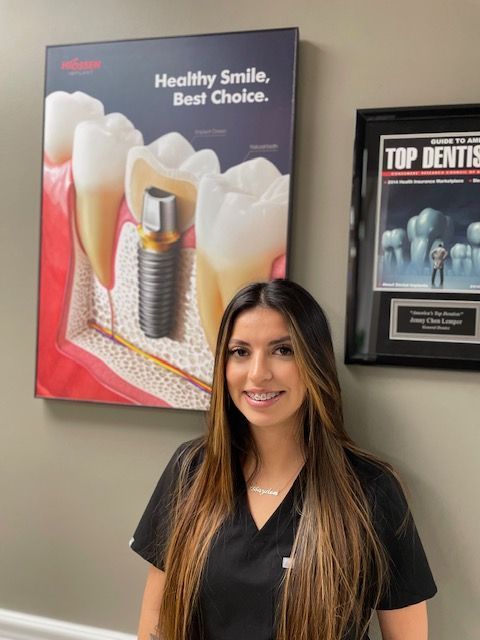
(416, 187)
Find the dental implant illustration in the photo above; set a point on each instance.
(158, 253)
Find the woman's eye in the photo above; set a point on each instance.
(240, 352)
(284, 350)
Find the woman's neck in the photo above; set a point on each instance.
(279, 450)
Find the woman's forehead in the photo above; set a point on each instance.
(260, 322)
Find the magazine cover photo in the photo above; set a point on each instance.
(428, 213)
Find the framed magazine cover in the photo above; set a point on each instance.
(414, 249)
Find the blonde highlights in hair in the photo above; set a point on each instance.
(339, 565)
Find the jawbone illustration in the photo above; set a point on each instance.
(241, 225)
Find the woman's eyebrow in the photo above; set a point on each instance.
(237, 341)
(279, 340)
(272, 343)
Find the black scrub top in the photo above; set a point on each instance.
(239, 589)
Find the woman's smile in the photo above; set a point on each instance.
(262, 398)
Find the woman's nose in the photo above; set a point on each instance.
(260, 368)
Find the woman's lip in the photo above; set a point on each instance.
(262, 403)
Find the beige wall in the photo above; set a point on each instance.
(74, 477)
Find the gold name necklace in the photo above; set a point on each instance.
(273, 492)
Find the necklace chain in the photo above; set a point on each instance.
(273, 492)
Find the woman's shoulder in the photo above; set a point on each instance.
(182, 466)
(366, 467)
(189, 454)
(189, 446)
(378, 479)
(385, 494)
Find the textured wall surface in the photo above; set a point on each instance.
(75, 477)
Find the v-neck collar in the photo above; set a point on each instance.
(275, 522)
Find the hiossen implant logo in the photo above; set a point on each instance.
(75, 66)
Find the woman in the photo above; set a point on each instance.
(275, 525)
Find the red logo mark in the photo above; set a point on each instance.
(75, 64)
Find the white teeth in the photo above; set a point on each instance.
(63, 111)
(99, 157)
(240, 228)
(253, 177)
(395, 247)
(264, 396)
(172, 164)
(473, 236)
(423, 230)
(461, 256)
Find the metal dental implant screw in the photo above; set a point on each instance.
(158, 252)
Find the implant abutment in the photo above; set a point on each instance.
(158, 252)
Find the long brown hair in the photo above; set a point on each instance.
(339, 566)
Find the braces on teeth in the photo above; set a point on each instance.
(263, 396)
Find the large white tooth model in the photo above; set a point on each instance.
(99, 158)
(63, 112)
(240, 228)
(169, 163)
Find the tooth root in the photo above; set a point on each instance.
(234, 278)
(419, 252)
(476, 261)
(216, 288)
(97, 232)
(143, 176)
(209, 298)
(456, 255)
(399, 256)
(399, 242)
(388, 255)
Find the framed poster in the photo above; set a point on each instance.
(166, 187)
(414, 264)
